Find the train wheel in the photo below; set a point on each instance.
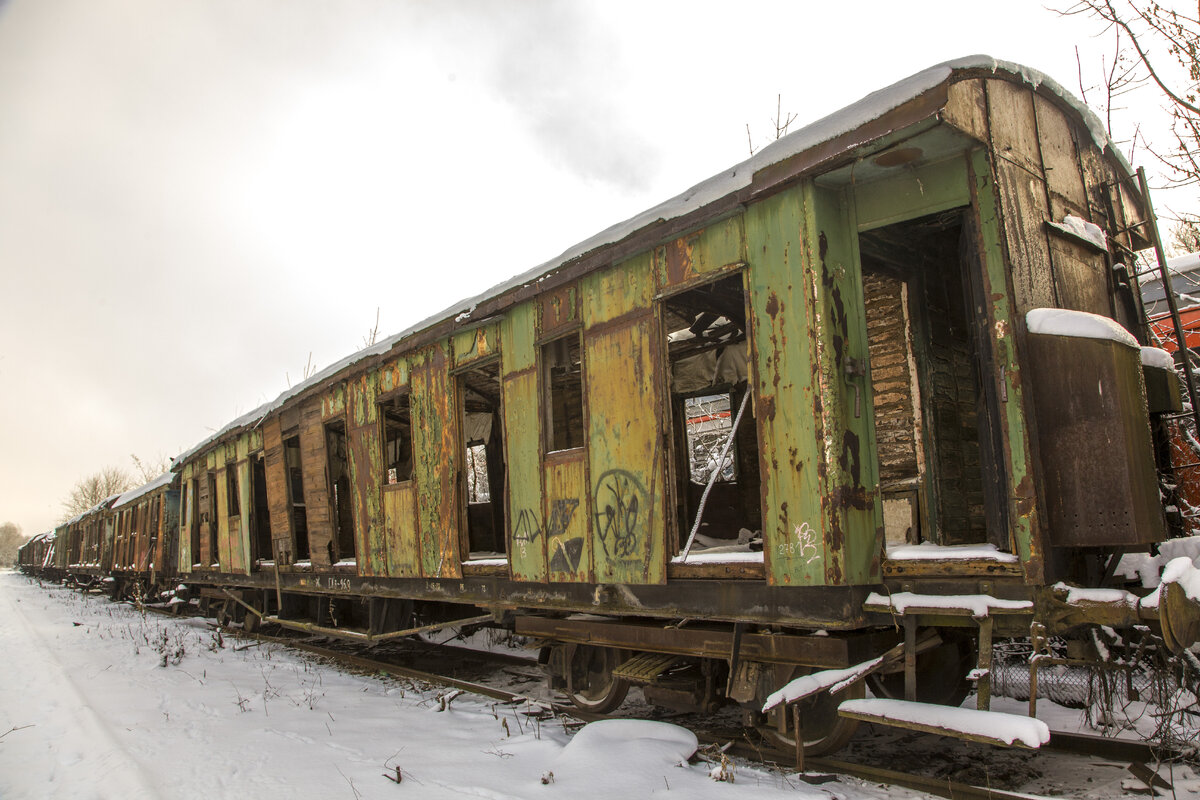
(941, 675)
(822, 730)
(591, 685)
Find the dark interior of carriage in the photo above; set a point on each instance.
(938, 469)
(483, 471)
(707, 355)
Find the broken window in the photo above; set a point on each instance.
(231, 489)
(195, 520)
(211, 511)
(482, 430)
(296, 507)
(562, 379)
(339, 478)
(396, 416)
(715, 439)
(260, 517)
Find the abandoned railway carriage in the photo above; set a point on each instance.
(793, 417)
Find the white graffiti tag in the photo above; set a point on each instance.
(805, 544)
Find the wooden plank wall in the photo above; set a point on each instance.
(277, 492)
(317, 496)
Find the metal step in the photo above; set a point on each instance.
(645, 667)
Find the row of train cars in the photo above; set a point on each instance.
(884, 387)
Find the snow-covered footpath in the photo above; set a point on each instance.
(101, 702)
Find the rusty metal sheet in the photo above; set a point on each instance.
(787, 388)
(623, 402)
(476, 343)
(1004, 307)
(188, 505)
(333, 402)
(365, 462)
(853, 517)
(522, 431)
(400, 530)
(722, 244)
(559, 309)
(436, 461)
(568, 517)
(222, 526)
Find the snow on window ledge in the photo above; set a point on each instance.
(928, 551)
(1079, 228)
(1077, 324)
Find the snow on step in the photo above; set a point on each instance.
(988, 726)
(977, 605)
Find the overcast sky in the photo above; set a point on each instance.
(195, 195)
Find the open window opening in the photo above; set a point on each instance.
(715, 463)
(195, 521)
(340, 496)
(939, 468)
(296, 507)
(212, 554)
(396, 416)
(562, 382)
(232, 493)
(483, 461)
(260, 517)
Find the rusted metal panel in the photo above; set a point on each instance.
(436, 461)
(568, 517)
(721, 244)
(624, 406)
(559, 309)
(365, 461)
(788, 410)
(317, 497)
(188, 500)
(333, 402)
(1023, 522)
(223, 526)
(522, 431)
(400, 530)
(477, 343)
(853, 515)
(277, 491)
(239, 534)
(1089, 400)
(208, 524)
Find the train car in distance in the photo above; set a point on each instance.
(877, 389)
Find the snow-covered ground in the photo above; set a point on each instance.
(99, 701)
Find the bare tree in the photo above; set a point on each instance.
(10, 540)
(149, 469)
(1185, 237)
(1164, 46)
(781, 123)
(91, 489)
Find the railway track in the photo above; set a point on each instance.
(740, 742)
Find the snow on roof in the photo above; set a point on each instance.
(133, 494)
(1078, 324)
(867, 109)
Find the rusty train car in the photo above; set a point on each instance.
(904, 459)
